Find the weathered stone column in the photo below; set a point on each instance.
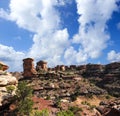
(41, 65)
(28, 68)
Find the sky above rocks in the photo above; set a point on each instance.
(59, 31)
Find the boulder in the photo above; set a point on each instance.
(6, 79)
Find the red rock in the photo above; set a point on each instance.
(28, 66)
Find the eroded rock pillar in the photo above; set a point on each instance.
(28, 68)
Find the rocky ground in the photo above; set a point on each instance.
(73, 91)
(92, 90)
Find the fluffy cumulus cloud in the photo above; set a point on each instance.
(11, 57)
(42, 18)
(113, 56)
(51, 41)
(74, 57)
(92, 36)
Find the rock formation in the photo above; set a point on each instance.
(62, 67)
(6, 81)
(110, 108)
(57, 68)
(73, 67)
(28, 66)
(3, 66)
(41, 65)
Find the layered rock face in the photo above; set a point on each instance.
(111, 108)
(94, 70)
(111, 79)
(113, 69)
(41, 65)
(28, 66)
(7, 80)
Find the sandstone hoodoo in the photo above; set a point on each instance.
(28, 66)
(60, 68)
(41, 65)
(90, 89)
(3, 66)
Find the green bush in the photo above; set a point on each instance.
(92, 107)
(25, 107)
(23, 99)
(10, 89)
(85, 103)
(44, 112)
(57, 103)
(74, 96)
(75, 109)
(107, 96)
(65, 113)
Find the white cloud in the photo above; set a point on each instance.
(50, 46)
(11, 57)
(42, 18)
(4, 14)
(73, 57)
(35, 15)
(113, 56)
(92, 36)
(51, 42)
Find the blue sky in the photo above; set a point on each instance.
(59, 31)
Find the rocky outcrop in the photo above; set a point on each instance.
(111, 108)
(28, 66)
(93, 70)
(18, 75)
(111, 79)
(73, 67)
(60, 68)
(7, 81)
(3, 66)
(41, 65)
(113, 68)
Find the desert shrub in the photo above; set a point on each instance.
(75, 109)
(74, 96)
(107, 96)
(44, 112)
(85, 103)
(48, 97)
(23, 99)
(65, 113)
(10, 89)
(89, 95)
(57, 102)
(92, 107)
(25, 107)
